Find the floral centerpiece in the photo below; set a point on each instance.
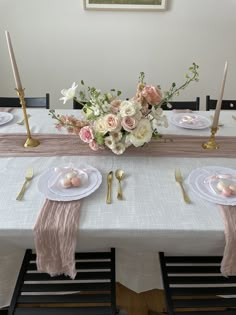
(109, 121)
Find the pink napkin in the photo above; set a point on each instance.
(228, 264)
(182, 111)
(6, 109)
(55, 237)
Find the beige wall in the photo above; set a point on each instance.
(57, 42)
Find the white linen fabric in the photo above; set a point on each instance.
(152, 217)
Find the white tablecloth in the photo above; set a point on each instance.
(151, 218)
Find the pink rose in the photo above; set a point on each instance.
(129, 123)
(151, 94)
(86, 134)
(112, 122)
(93, 145)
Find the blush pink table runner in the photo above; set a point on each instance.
(63, 145)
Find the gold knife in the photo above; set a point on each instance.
(109, 184)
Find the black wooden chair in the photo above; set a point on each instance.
(226, 104)
(192, 105)
(194, 285)
(77, 105)
(32, 102)
(92, 292)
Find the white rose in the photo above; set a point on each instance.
(142, 133)
(127, 108)
(100, 125)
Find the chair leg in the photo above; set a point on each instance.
(4, 311)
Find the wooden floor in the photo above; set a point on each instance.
(145, 303)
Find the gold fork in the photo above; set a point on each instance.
(179, 180)
(21, 122)
(28, 176)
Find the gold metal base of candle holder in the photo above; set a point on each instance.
(211, 144)
(30, 142)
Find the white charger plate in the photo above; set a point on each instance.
(67, 194)
(5, 117)
(201, 184)
(190, 121)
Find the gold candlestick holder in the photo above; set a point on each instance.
(30, 142)
(211, 143)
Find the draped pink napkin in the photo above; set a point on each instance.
(6, 109)
(228, 263)
(182, 111)
(55, 237)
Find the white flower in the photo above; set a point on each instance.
(106, 107)
(68, 94)
(129, 108)
(100, 125)
(117, 136)
(119, 148)
(110, 142)
(96, 110)
(142, 134)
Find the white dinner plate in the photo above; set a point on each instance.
(190, 121)
(58, 193)
(5, 117)
(203, 182)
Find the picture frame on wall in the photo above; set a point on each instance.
(146, 5)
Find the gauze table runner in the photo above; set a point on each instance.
(64, 145)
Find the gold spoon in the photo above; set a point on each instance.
(119, 175)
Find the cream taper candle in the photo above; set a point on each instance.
(219, 102)
(13, 62)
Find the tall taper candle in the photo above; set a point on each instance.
(13, 62)
(219, 102)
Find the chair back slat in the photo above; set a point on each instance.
(225, 105)
(92, 292)
(192, 105)
(31, 102)
(102, 310)
(194, 285)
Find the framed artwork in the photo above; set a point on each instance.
(125, 4)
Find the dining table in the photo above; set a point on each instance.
(151, 217)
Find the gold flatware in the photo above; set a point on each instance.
(28, 176)
(234, 117)
(119, 176)
(22, 122)
(179, 180)
(109, 184)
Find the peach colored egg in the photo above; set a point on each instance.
(221, 185)
(226, 192)
(75, 181)
(71, 174)
(233, 189)
(66, 183)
